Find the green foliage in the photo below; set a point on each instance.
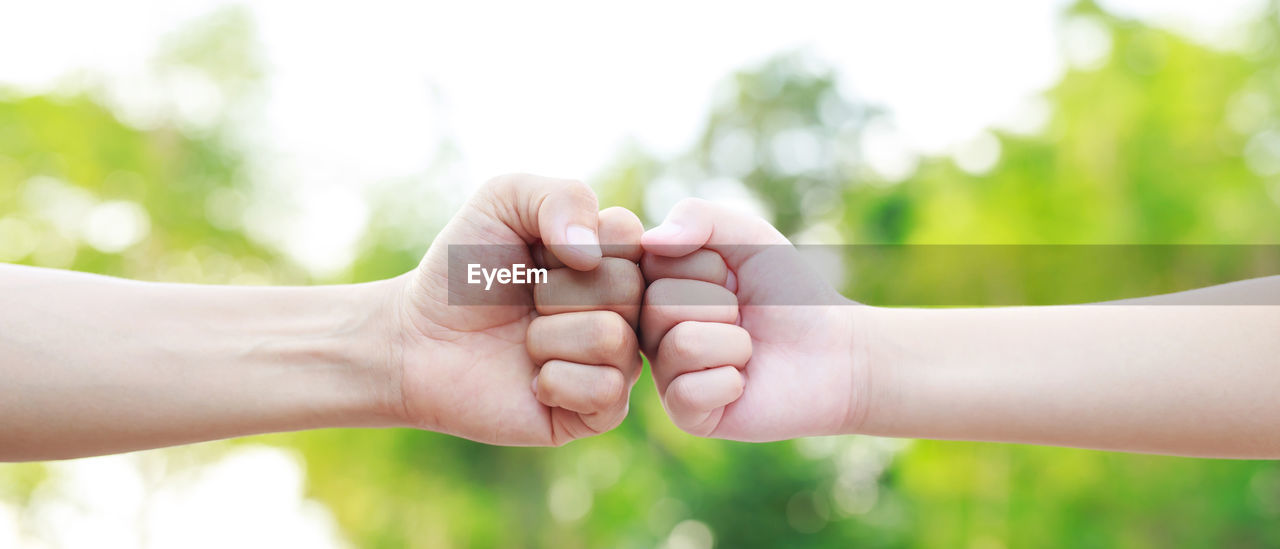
(1153, 147)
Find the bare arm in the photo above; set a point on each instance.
(1197, 380)
(93, 365)
(1195, 373)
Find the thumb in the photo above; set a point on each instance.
(765, 267)
(562, 213)
(694, 224)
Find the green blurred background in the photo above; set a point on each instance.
(1163, 141)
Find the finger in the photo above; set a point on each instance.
(695, 223)
(620, 232)
(559, 212)
(568, 425)
(695, 401)
(616, 285)
(607, 419)
(693, 346)
(588, 337)
(583, 388)
(671, 301)
(704, 265)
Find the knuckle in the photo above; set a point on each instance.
(545, 298)
(627, 218)
(710, 262)
(680, 344)
(659, 292)
(649, 266)
(620, 233)
(630, 287)
(539, 326)
(622, 280)
(691, 428)
(719, 295)
(577, 188)
(609, 390)
(679, 394)
(617, 419)
(536, 337)
(548, 382)
(613, 268)
(556, 293)
(631, 293)
(741, 341)
(613, 335)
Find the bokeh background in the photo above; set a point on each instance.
(294, 143)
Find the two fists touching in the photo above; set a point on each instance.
(547, 363)
(745, 343)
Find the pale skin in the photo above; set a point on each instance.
(1149, 375)
(96, 365)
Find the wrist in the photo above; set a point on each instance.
(920, 366)
(875, 375)
(382, 332)
(348, 338)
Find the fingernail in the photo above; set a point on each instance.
(584, 239)
(664, 231)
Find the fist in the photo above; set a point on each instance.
(747, 342)
(523, 364)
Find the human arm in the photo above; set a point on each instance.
(1147, 375)
(1196, 380)
(93, 365)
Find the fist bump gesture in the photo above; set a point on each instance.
(550, 362)
(744, 340)
(747, 342)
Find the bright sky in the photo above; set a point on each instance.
(361, 92)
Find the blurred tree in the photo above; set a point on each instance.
(1162, 141)
(81, 189)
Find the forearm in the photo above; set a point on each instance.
(95, 365)
(1188, 380)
